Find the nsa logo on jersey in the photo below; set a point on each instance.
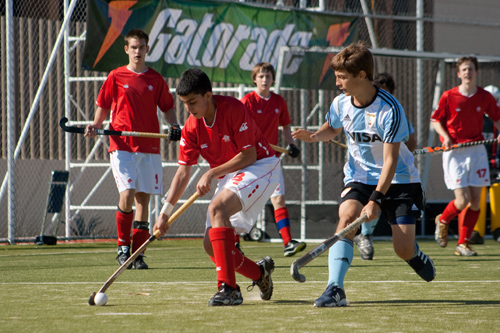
(243, 127)
(370, 119)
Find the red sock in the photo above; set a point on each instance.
(140, 234)
(449, 212)
(283, 223)
(467, 228)
(123, 225)
(222, 240)
(244, 266)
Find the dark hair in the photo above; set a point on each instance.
(385, 79)
(354, 58)
(136, 33)
(464, 59)
(193, 81)
(263, 67)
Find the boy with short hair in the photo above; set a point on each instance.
(379, 176)
(133, 93)
(458, 118)
(222, 131)
(270, 111)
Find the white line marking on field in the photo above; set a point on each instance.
(122, 314)
(211, 282)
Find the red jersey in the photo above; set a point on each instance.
(462, 116)
(133, 99)
(232, 131)
(268, 114)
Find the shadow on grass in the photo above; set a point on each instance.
(424, 302)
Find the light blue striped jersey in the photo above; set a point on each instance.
(367, 129)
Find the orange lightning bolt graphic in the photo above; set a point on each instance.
(119, 13)
(336, 36)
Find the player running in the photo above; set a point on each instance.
(270, 111)
(379, 175)
(222, 131)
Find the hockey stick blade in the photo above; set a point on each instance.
(70, 129)
(318, 250)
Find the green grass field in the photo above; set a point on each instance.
(46, 288)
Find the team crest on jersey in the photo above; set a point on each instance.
(243, 127)
(370, 119)
(277, 111)
(150, 88)
(478, 109)
(125, 86)
(259, 111)
(203, 146)
(183, 142)
(345, 191)
(226, 138)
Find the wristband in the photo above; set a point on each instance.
(377, 197)
(167, 208)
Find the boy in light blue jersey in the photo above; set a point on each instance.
(380, 176)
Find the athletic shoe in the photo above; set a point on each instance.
(226, 295)
(422, 265)
(465, 250)
(496, 234)
(333, 296)
(139, 262)
(475, 238)
(441, 233)
(123, 255)
(238, 247)
(264, 283)
(365, 246)
(293, 247)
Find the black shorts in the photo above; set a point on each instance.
(400, 199)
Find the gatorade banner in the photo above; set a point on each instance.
(224, 39)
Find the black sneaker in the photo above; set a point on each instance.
(139, 262)
(293, 247)
(265, 283)
(475, 238)
(423, 265)
(332, 297)
(496, 234)
(226, 295)
(123, 255)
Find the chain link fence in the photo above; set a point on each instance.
(38, 105)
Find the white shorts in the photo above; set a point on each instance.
(280, 189)
(138, 171)
(466, 167)
(253, 185)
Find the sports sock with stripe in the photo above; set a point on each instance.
(283, 223)
(339, 260)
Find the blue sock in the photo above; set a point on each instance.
(339, 261)
(368, 227)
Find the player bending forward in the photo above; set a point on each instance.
(379, 175)
(222, 131)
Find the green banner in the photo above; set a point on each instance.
(225, 39)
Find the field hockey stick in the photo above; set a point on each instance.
(311, 255)
(280, 149)
(338, 143)
(81, 130)
(427, 150)
(155, 236)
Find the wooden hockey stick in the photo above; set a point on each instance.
(280, 149)
(428, 150)
(81, 130)
(155, 236)
(311, 255)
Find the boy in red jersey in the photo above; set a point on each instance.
(222, 131)
(457, 119)
(133, 93)
(270, 111)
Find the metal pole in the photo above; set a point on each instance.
(67, 106)
(11, 215)
(420, 90)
